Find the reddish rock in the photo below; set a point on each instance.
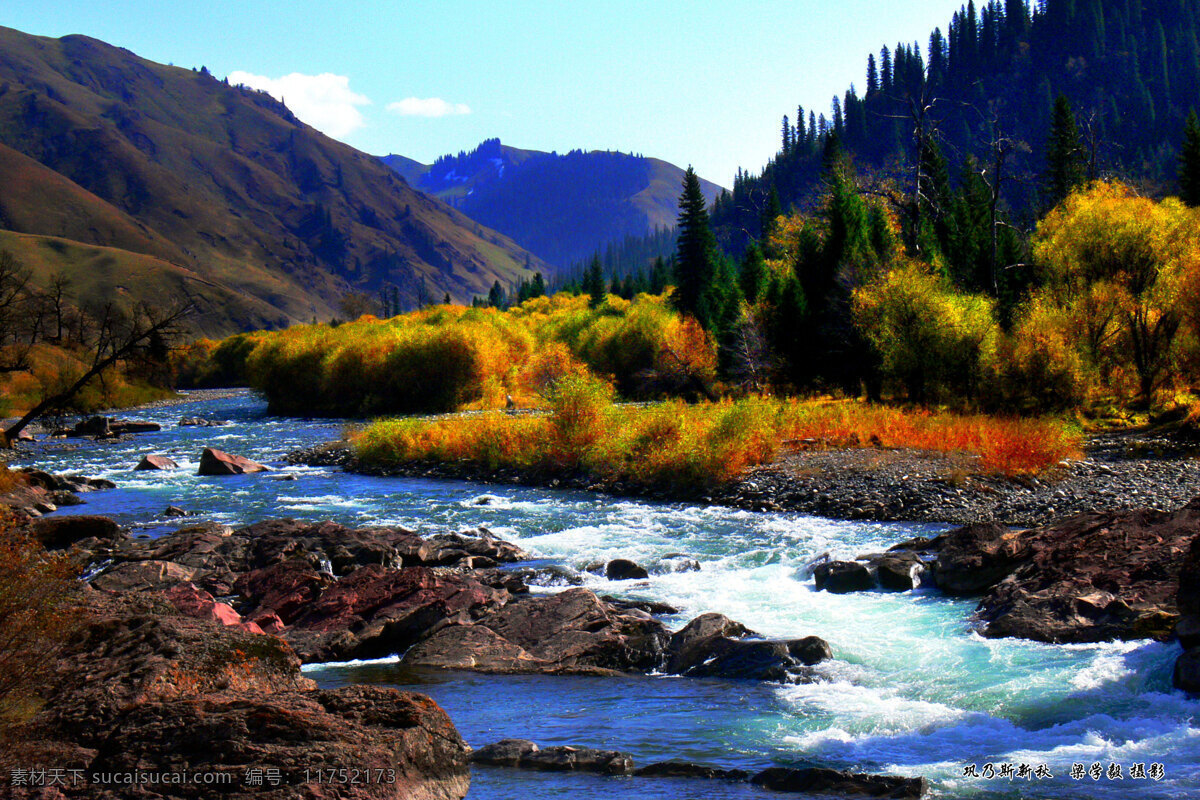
(286, 589)
(217, 462)
(153, 462)
(714, 646)
(376, 612)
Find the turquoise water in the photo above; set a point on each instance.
(912, 690)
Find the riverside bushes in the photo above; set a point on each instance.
(674, 444)
(451, 357)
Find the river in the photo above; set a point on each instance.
(912, 689)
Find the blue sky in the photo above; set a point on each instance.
(701, 83)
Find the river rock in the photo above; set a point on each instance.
(217, 462)
(714, 646)
(570, 632)
(58, 533)
(198, 422)
(898, 573)
(816, 780)
(976, 557)
(524, 754)
(154, 462)
(450, 548)
(684, 769)
(622, 569)
(676, 562)
(841, 577)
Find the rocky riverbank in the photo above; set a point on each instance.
(1091, 577)
(1118, 471)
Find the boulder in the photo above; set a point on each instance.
(840, 577)
(286, 589)
(524, 754)
(120, 427)
(684, 769)
(622, 569)
(217, 462)
(198, 422)
(714, 646)
(58, 533)
(976, 557)
(898, 573)
(448, 549)
(570, 632)
(816, 780)
(153, 462)
(175, 511)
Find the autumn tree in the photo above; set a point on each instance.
(1118, 262)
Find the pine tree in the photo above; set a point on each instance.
(593, 283)
(538, 287)
(1189, 163)
(1064, 157)
(446, 300)
(496, 296)
(696, 254)
(754, 273)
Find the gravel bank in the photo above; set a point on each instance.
(1127, 470)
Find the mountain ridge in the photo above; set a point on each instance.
(562, 207)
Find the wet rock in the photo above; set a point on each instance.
(176, 511)
(622, 569)
(153, 462)
(976, 557)
(217, 462)
(198, 422)
(1187, 672)
(649, 606)
(899, 573)
(570, 632)
(676, 562)
(504, 753)
(58, 533)
(816, 780)
(684, 769)
(550, 575)
(524, 754)
(109, 427)
(143, 575)
(714, 646)
(841, 577)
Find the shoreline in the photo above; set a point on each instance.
(1119, 471)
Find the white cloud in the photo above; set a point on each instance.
(428, 107)
(324, 101)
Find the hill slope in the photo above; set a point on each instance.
(220, 180)
(561, 207)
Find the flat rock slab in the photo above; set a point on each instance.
(819, 781)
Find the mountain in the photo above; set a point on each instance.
(563, 208)
(218, 189)
(987, 86)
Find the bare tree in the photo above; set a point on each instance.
(119, 337)
(15, 301)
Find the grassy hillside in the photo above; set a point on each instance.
(220, 180)
(102, 274)
(563, 208)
